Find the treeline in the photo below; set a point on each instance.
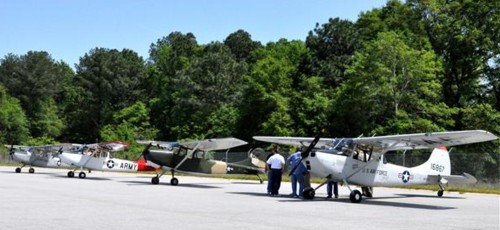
(417, 66)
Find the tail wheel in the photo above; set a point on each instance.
(309, 193)
(174, 181)
(355, 196)
(440, 193)
(155, 180)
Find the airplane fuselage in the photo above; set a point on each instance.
(102, 163)
(371, 173)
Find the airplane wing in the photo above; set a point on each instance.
(395, 142)
(297, 141)
(214, 144)
(426, 140)
(161, 144)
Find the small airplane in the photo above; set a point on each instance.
(40, 156)
(360, 161)
(100, 157)
(192, 158)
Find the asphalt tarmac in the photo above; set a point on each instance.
(105, 200)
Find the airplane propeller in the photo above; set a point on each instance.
(11, 152)
(306, 152)
(145, 152)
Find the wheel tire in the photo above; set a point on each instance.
(440, 193)
(174, 181)
(71, 174)
(355, 196)
(31, 170)
(18, 170)
(155, 180)
(309, 193)
(82, 175)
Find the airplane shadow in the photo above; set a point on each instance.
(148, 183)
(404, 205)
(86, 178)
(244, 182)
(367, 201)
(40, 173)
(431, 196)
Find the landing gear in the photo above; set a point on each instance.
(367, 191)
(309, 193)
(71, 174)
(18, 170)
(155, 180)
(31, 170)
(441, 190)
(82, 175)
(355, 196)
(174, 181)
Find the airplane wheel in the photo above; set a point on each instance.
(155, 180)
(71, 174)
(174, 181)
(309, 193)
(31, 170)
(440, 193)
(82, 175)
(18, 170)
(355, 196)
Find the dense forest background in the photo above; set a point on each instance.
(417, 66)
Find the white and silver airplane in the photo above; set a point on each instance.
(39, 156)
(100, 157)
(360, 161)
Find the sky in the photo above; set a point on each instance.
(68, 29)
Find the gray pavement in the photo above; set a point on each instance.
(104, 200)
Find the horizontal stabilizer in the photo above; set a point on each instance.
(455, 179)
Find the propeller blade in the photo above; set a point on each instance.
(11, 152)
(306, 152)
(145, 152)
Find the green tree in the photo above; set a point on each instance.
(107, 80)
(13, 121)
(465, 34)
(169, 56)
(331, 48)
(241, 44)
(210, 84)
(266, 106)
(38, 82)
(392, 89)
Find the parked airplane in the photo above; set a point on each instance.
(40, 156)
(360, 161)
(100, 157)
(192, 158)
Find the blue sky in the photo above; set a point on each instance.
(68, 29)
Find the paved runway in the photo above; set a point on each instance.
(50, 200)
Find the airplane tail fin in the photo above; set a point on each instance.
(438, 163)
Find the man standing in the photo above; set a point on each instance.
(297, 174)
(276, 164)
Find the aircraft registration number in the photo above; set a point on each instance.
(437, 167)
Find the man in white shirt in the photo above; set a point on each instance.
(276, 163)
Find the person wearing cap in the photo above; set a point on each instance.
(276, 164)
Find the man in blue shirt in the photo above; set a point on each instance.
(295, 162)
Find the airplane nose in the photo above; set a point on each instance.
(143, 166)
